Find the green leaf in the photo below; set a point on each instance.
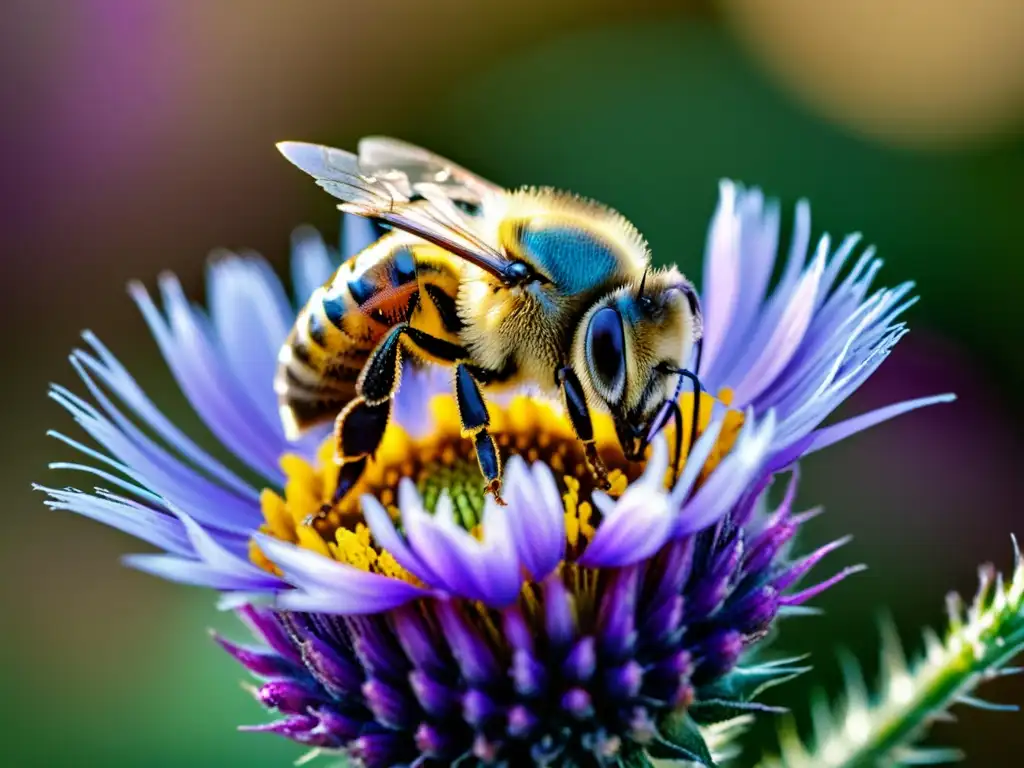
(733, 695)
(680, 738)
(746, 683)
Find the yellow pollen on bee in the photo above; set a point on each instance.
(534, 428)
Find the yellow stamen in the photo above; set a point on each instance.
(534, 428)
(577, 514)
(279, 520)
(261, 560)
(310, 539)
(618, 483)
(353, 547)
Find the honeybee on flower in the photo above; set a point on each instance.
(605, 614)
(535, 287)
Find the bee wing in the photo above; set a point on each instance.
(385, 198)
(339, 173)
(385, 157)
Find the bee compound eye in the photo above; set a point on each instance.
(606, 352)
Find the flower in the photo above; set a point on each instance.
(420, 623)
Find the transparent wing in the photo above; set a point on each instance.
(386, 198)
(388, 158)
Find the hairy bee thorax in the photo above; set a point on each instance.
(579, 250)
(538, 208)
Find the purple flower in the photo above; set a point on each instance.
(424, 625)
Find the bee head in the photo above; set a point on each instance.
(628, 345)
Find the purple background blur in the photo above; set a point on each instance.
(138, 135)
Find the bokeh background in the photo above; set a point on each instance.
(139, 134)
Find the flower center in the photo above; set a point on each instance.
(532, 428)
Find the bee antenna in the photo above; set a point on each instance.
(643, 282)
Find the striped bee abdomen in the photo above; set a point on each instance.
(344, 320)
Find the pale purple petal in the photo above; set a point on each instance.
(638, 524)
(759, 235)
(730, 479)
(112, 374)
(199, 574)
(312, 262)
(697, 458)
(745, 342)
(486, 571)
(535, 516)
(786, 336)
(722, 273)
(419, 385)
(251, 316)
(326, 585)
(833, 434)
(436, 542)
(153, 468)
(138, 520)
(357, 233)
(498, 559)
(387, 538)
(217, 396)
(212, 565)
(802, 350)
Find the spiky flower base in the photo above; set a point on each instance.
(588, 667)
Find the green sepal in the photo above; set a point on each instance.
(733, 694)
(679, 738)
(711, 711)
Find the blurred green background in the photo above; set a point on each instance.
(138, 135)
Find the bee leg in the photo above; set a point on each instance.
(358, 431)
(579, 416)
(348, 475)
(360, 427)
(475, 420)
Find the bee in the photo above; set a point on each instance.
(533, 286)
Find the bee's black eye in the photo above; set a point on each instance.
(606, 353)
(518, 271)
